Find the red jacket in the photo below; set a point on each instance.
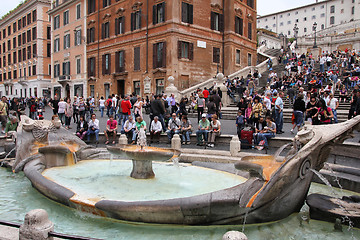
(126, 106)
(206, 93)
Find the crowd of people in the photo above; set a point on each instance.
(311, 93)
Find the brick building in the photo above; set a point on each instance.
(24, 50)
(187, 39)
(68, 58)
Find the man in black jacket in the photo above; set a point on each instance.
(157, 109)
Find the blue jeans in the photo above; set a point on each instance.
(265, 137)
(202, 134)
(186, 136)
(102, 111)
(321, 67)
(335, 116)
(299, 118)
(170, 133)
(90, 131)
(279, 120)
(125, 117)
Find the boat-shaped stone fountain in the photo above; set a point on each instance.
(276, 188)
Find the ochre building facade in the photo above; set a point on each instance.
(130, 41)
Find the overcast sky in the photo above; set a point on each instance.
(264, 6)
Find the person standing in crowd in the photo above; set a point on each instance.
(155, 130)
(215, 130)
(200, 101)
(311, 110)
(126, 109)
(68, 113)
(279, 108)
(138, 107)
(102, 106)
(111, 129)
(333, 104)
(173, 127)
(82, 107)
(54, 105)
(206, 95)
(185, 130)
(4, 108)
(61, 110)
(240, 123)
(299, 109)
(203, 130)
(256, 110)
(76, 109)
(108, 105)
(93, 128)
(157, 107)
(129, 128)
(113, 106)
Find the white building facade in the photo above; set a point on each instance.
(325, 13)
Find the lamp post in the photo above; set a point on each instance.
(314, 29)
(296, 31)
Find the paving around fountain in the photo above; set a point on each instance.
(179, 193)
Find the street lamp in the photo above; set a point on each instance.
(314, 29)
(296, 31)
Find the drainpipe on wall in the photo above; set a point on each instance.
(147, 36)
(223, 39)
(98, 48)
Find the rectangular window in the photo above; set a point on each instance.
(24, 22)
(56, 45)
(24, 54)
(28, 18)
(249, 59)
(91, 66)
(14, 42)
(34, 15)
(77, 37)
(14, 57)
(332, 20)
(159, 13)
(66, 68)
(9, 30)
(66, 17)
(136, 58)
(237, 56)
(56, 70)
(14, 27)
(48, 32)
(34, 34)
(48, 50)
(91, 35)
(186, 13)
(160, 86)
(305, 30)
(19, 24)
(91, 6)
(216, 55)
(56, 22)
(29, 55)
(78, 65)
(28, 35)
(34, 52)
(352, 10)
(239, 25)
(106, 3)
(136, 20)
(159, 55)
(250, 31)
(67, 41)
(185, 50)
(106, 64)
(15, 74)
(19, 40)
(119, 25)
(332, 9)
(322, 15)
(250, 3)
(105, 31)
(34, 69)
(9, 59)
(217, 21)
(305, 19)
(78, 11)
(19, 55)
(120, 61)
(9, 45)
(92, 90)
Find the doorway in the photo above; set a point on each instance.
(67, 91)
(121, 87)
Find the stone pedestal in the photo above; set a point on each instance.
(235, 145)
(36, 226)
(176, 142)
(172, 89)
(123, 139)
(142, 169)
(234, 235)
